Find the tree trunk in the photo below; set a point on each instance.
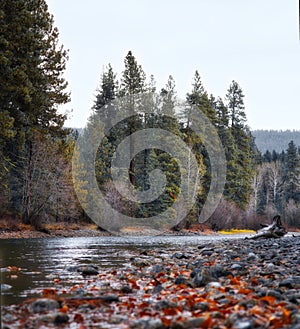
(275, 230)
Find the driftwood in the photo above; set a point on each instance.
(275, 230)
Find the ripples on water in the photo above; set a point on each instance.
(38, 258)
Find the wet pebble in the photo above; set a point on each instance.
(88, 270)
(43, 305)
(5, 287)
(147, 324)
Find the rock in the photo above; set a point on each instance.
(5, 287)
(219, 271)
(252, 256)
(190, 323)
(202, 278)
(147, 324)
(126, 290)
(157, 268)
(274, 293)
(270, 266)
(157, 289)
(118, 319)
(179, 255)
(206, 252)
(235, 266)
(139, 262)
(110, 298)
(56, 318)
(51, 276)
(243, 324)
(88, 270)
(296, 318)
(163, 304)
(203, 306)
(213, 285)
(43, 305)
(292, 282)
(181, 280)
(61, 318)
(73, 268)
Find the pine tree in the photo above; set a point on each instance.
(133, 77)
(132, 83)
(32, 85)
(243, 167)
(105, 113)
(235, 102)
(107, 92)
(166, 119)
(229, 146)
(32, 64)
(292, 173)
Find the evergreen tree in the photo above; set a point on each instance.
(243, 168)
(199, 99)
(292, 173)
(235, 103)
(104, 113)
(267, 157)
(31, 68)
(229, 145)
(133, 77)
(107, 92)
(132, 83)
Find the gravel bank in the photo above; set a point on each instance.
(239, 284)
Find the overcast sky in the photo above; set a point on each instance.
(254, 42)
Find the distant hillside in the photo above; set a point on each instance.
(277, 140)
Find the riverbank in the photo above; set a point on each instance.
(91, 230)
(231, 283)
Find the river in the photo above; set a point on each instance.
(42, 260)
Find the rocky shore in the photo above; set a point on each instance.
(86, 231)
(238, 284)
(63, 233)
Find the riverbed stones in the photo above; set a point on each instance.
(147, 324)
(291, 282)
(237, 284)
(88, 270)
(139, 262)
(5, 287)
(55, 318)
(43, 305)
(202, 278)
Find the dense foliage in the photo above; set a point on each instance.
(36, 190)
(277, 184)
(32, 86)
(227, 116)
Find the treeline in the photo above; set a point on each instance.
(36, 150)
(227, 116)
(276, 187)
(277, 140)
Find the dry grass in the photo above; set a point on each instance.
(236, 231)
(63, 226)
(10, 223)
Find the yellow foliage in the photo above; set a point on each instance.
(236, 231)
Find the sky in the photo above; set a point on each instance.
(253, 42)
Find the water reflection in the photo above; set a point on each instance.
(38, 258)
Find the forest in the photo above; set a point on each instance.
(36, 151)
(277, 140)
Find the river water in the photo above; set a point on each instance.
(41, 260)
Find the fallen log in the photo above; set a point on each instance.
(275, 230)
